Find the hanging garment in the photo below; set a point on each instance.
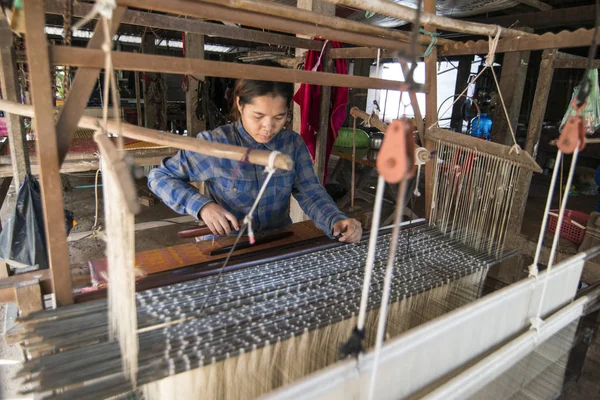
(308, 98)
(591, 111)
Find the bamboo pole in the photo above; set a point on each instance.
(436, 21)
(371, 119)
(297, 14)
(259, 157)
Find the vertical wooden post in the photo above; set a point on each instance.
(324, 116)
(138, 98)
(47, 150)
(9, 81)
(194, 48)
(540, 101)
(150, 109)
(431, 108)
(462, 77)
(512, 85)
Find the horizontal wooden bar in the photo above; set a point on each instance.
(7, 292)
(213, 149)
(361, 52)
(524, 159)
(263, 21)
(81, 57)
(371, 120)
(571, 16)
(565, 39)
(432, 20)
(168, 22)
(563, 60)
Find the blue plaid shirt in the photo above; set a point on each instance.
(237, 193)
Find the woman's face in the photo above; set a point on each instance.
(264, 117)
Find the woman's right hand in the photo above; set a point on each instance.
(217, 219)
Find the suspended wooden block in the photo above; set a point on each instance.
(523, 159)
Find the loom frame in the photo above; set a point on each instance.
(399, 370)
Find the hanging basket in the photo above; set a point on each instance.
(573, 226)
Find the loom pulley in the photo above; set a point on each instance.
(573, 133)
(395, 160)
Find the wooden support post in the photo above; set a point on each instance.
(512, 85)
(358, 97)
(9, 82)
(138, 99)
(47, 151)
(150, 108)
(29, 297)
(3, 270)
(431, 109)
(415, 105)
(79, 94)
(540, 101)
(194, 48)
(462, 81)
(324, 117)
(4, 189)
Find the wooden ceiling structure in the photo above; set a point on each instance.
(279, 22)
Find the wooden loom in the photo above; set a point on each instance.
(63, 57)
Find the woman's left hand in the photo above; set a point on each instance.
(350, 229)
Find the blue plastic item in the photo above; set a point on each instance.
(481, 127)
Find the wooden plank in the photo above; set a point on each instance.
(564, 60)
(361, 52)
(168, 22)
(138, 98)
(540, 101)
(415, 106)
(579, 38)
(150, 107)
(571, 16)
(431, 105)
(324, 118)
(7, 292)
(512, 86)
(462, 78)
(540, 5)
(194, 48)
(3, 270)
(47, 150)
(81, 88)
(72, 56)
(29, 297)
(9, 82)
(263, 21)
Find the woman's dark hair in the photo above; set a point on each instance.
(247, 89)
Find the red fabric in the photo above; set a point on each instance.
(308, 98)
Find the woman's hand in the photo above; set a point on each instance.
(350, 229)
(217, 219)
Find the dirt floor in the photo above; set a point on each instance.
(82, 202)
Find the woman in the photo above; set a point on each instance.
(261, 109)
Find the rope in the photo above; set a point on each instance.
(270, 170)
(432, 44)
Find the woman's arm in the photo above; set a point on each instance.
(312, 197)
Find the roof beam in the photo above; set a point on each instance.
(540, 5)
(546, 19)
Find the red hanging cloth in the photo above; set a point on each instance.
(308, 98)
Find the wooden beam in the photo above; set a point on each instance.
(540, 101)
(572, 16)
(563, 60)
(512, 86)
(150, 107)
(262, 21)
(47, 150)
(564, 39)
(9, 82)
(430, 18)
(540, 5)
(168, 22)
(79, 94)
(194, 48)
(4, 189)
(324, 118)
(72, 56)
(462, 81)
(138, 98)
(7, 285)
(431, 105)
(361, 52)
(415, 105)
(29, 297)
